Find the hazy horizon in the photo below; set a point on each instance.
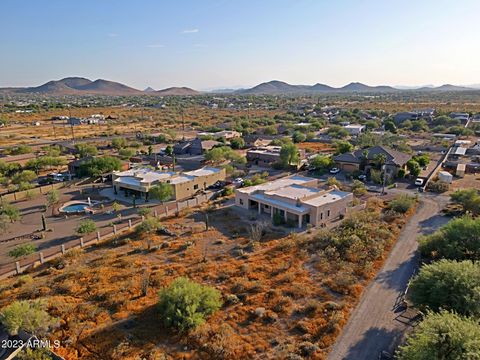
(232, 44)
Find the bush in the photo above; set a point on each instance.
(402, 203)
(86, 227)
(149, 226)
(438, 186)
(448, 285)
(185, 304)
(443, 336)
(30, 316)
(22, 250)
(457, 240)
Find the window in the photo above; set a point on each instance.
(195, 187)
(241, 201)
(328, 213)
(321, 216)
(266, 206)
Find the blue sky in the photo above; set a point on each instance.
(221, 43)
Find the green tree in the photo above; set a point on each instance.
(321, 162)
(237, 143)
(99, 166)
(144, 211)
(161, 192)
(185, 304)
(53, 198)
(169, 150)
(10, 211)
(289, 155)
(444, 336)
(36, 353)
(448, 285)
(22, 250)
(30, 316)
(126, 153)
(342, 147)
(298, 137)
(459, 239)
(413, 167)
(85, 150)
(86, 226)
(119, 143)
(25, 176)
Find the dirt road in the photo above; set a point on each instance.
(377, 324)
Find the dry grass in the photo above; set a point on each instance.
(306, 298)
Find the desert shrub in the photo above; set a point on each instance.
(402, 203)
(185, 304)
(438, 186)
(448, 285)
(30, 316)
(144, 211)
(22, 250)
(149, 226)
(278, 219)
(38, 353)
(86, 226)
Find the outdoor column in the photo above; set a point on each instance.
(259, 208)
(271, 212)
(300, 221)
(285, 217)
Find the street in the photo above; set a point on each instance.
(376, 325)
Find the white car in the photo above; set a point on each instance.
(419, 182)
(334, 170)
(362, 177)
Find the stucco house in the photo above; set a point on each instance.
(296, 199)
(138, 182)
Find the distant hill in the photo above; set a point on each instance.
(149, 89)
(179, 91)
(78, 85)
(280, 87)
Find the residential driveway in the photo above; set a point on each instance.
(377, 324)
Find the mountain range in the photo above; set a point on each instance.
(276, 87)
(83, 86)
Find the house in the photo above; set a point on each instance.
(296, 200)
(268, 155)
(354, 129)
(257, 140)
(400, 117)
(463, 117)
(226, 134)
(138, 182)
(73, 121)
(364, 160)
(194, 147)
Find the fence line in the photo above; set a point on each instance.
(161, 211)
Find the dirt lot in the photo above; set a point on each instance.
(303, 293)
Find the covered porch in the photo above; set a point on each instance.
(290, 214)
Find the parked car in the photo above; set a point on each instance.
(419, 182)
(362, 177)
(334, 170)
(238, 182)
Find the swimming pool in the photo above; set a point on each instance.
(74, 208)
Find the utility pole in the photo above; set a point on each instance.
(183, 124)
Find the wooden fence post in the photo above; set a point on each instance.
(115, 229)
(17, 266)
(155, 213)
(42, 260)
(82, 244)
(129, 223)
(63, 249)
